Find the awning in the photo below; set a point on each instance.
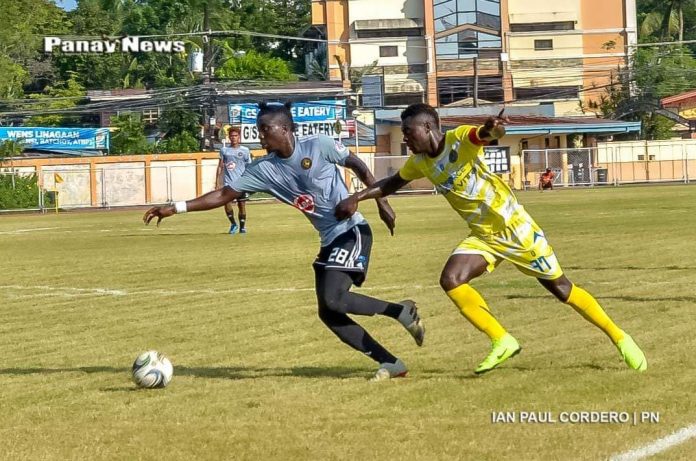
(376, 24)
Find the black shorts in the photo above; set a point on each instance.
(349, 252)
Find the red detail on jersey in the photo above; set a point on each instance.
(339, 146)
(304, 203)
(473, 137)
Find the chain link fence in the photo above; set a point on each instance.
(613, 164)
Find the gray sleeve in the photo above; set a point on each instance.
(332, 150)
(252, 180)
(248, 156)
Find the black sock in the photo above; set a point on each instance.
(355, 336)
(393, 310)
(242, 221)
(230, 216)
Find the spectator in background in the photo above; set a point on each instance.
(233, 162)
(546, 180)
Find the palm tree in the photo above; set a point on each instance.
(667, 20)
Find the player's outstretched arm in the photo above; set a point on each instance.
(208, 201)
(386, 213)
(387, 186)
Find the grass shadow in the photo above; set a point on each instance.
(636, 299)
(210, 372)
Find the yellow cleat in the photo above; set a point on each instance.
(503, 349)
(632, 354)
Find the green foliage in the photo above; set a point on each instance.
(254, 66)
(181, 142)
(13, 77)
(181, 128)
(130, 135)
(64, 96)
(18, 191)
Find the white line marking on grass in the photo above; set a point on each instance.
(72, 291)
(658, 446)
(22, 231)
(68, 290)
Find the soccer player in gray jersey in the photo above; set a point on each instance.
(233, 162)
(302, 173)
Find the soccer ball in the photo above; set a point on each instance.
(152, 369)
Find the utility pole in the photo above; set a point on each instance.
(207, 62)
(476, 80)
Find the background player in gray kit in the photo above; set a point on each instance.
(302, 173)
(233, 162)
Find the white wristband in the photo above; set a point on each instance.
(180, 207)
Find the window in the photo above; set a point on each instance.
(388, 51)
(542, 45)
(548, 92)
(449, 14)
(467, 44)
(542, 26)
(402, 99)
(150, 116)
(452, 89)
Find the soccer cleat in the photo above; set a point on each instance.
(503, 349)
(632, 354)
(233, 229)
(243, 230)
(390, 370)
(410, 319)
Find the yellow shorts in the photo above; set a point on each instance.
(522, 243)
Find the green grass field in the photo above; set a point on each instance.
(258, 376)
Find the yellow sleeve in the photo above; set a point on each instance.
(469, 133)
(410, 171)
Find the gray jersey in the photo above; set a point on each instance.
(234, 161)
(308, 180)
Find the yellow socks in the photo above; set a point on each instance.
(587, 306)
(475, 309)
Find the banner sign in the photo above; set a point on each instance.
(317, 117)
(57, 138)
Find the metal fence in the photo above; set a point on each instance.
(613, 164)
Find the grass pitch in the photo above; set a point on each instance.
(258, 376)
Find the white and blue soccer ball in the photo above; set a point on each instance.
(152, 369)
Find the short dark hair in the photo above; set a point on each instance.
(235, 128)
(282, 110)
(420, 108)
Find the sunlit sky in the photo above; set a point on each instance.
(67, 5)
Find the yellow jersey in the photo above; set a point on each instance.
(460, 173)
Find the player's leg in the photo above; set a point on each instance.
(241, 204)
(229, 211)
(462, 267)
(587, 306)
(353, 334)
(346, 260)
(335, 294)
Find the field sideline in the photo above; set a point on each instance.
(257, 376)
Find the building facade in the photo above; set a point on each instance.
(465, 52)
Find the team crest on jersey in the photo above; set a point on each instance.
(306, 163)
(304, 202)
(239, 154)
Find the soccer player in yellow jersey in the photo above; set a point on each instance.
(500, 228)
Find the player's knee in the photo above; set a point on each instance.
(449, 280)
(334, 300)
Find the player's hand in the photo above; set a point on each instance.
(346, 208)
(386, 214)
(494, 126)
(159, 212)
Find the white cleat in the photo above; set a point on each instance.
(390, 370)
(410, 319)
